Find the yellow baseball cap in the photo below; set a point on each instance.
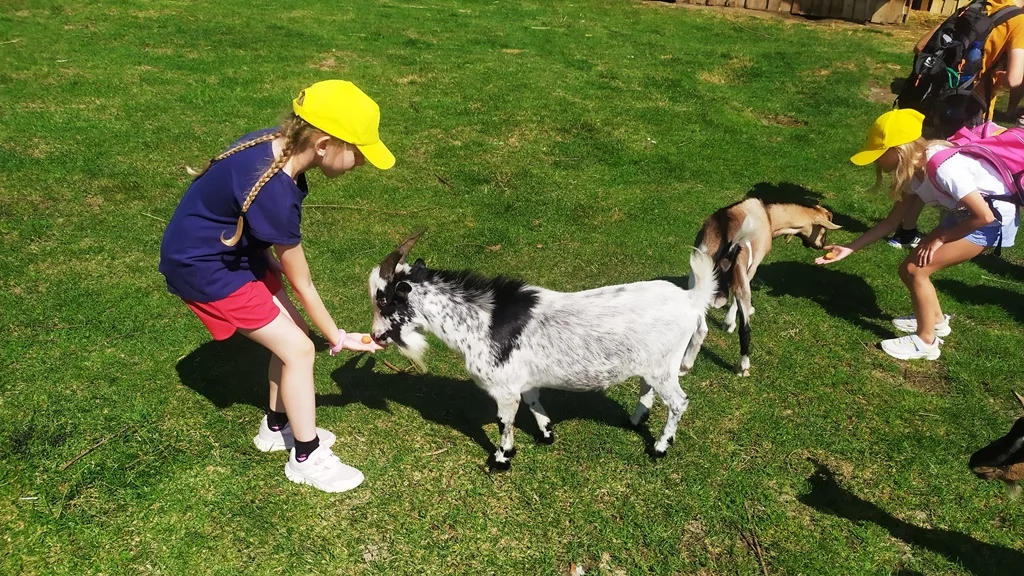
(340, 109)
(894, 128)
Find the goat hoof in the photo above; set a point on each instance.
(498, 466)
(743, 372)
(549, 439)
(730, 328)
(510, 453)
(658, 454)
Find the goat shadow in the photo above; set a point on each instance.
(463, 406)
(1008, 300)
(839, 293)
(980, 558)
(790, 193)
(232, 371)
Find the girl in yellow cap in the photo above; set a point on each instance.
(237, 230)
(966, 189)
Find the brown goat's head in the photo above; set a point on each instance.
(1002, 459)
(814, 235)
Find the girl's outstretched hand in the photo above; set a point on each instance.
(356, 342)
(837, 253)
(360, 343)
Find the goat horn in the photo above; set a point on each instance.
(829, 224)
(1019, 397)
(397, 256)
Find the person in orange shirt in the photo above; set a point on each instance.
(1002, 68)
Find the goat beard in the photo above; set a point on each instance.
(414, 345)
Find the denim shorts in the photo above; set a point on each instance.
(987, 236)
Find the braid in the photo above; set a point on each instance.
(294, 131)
(265, 138)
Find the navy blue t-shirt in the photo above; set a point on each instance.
(197, 265)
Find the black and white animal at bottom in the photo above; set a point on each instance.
(517, 338)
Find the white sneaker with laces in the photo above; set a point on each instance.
(269, 441)
(911, 348)
(323, 471)
(909, 324)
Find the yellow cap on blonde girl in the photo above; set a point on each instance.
(894, 128)
(342, 110)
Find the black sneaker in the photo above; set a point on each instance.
(905, 239)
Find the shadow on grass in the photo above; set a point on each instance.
(840, 294)
(462, 406)
(1008, 300)
(232, 371)
(1000, 266)
(787, 192)
(981, 558)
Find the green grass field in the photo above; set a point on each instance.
(573, 144)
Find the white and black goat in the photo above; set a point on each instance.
(737, 238)
(517, 339)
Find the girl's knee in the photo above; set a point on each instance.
(299, 351)
(909, 270)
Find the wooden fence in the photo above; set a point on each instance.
(877, 11)
(946, 7)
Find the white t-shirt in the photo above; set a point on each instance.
(960, 175)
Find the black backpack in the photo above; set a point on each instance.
(941, 84)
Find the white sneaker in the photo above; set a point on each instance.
(323, 470)
(911, 348)
(269, 441)
(909, 324)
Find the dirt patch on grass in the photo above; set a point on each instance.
(880, 94)
(782, 120)
(927, 377)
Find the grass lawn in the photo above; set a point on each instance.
(573, 144)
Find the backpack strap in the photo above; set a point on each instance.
(1004, 14)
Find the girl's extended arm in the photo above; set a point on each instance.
(296, 269)
(877, 232)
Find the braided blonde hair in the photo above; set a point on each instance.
(296, 133)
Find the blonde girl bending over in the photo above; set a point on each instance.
(218, 255)
(966, 189)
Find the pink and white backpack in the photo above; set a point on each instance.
(1003, 147)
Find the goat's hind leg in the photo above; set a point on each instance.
(668, 388)
(508, 405)
(532, 399)
(693, 348)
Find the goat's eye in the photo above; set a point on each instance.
(382, 302)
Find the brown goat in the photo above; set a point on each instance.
(1003, 459)
(737, 238)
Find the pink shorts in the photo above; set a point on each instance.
(250, 307)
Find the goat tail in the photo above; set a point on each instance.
(703, 282)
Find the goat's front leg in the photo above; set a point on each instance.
(508, 405)
(670, 391)
(532, 399)
(696, 341)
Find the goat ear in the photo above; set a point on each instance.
(403, 289)
(397, 256)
